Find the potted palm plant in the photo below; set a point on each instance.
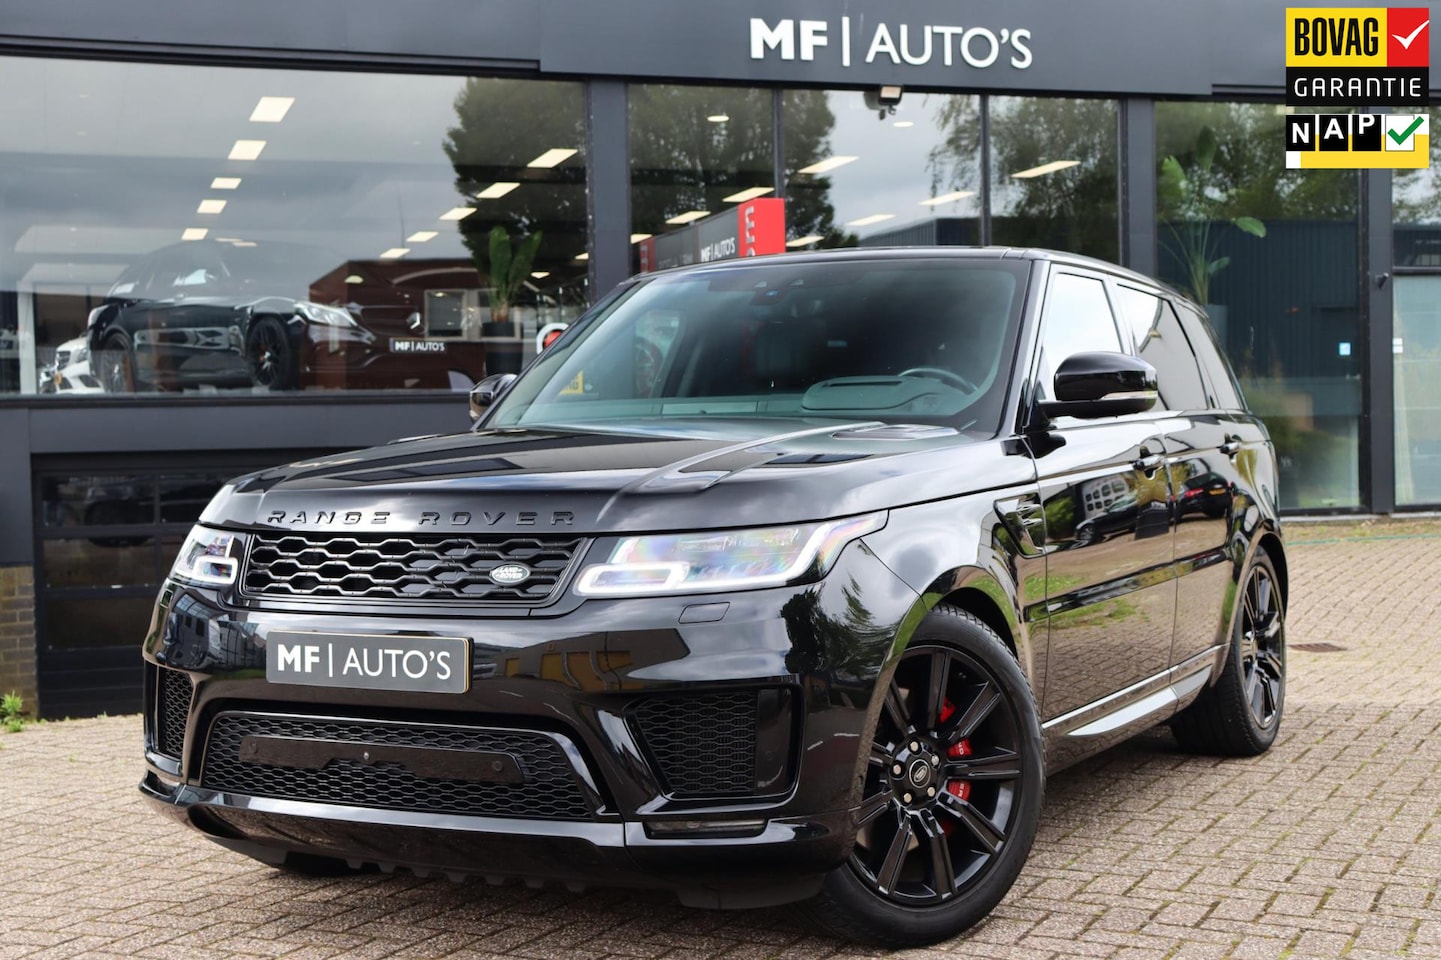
(507, 270)
(1192, 203)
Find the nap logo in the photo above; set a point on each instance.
(1354, 141)
(1358, 56)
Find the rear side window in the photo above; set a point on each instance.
(1078, 320)
(1225, 391)
(1159, 340)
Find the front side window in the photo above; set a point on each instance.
(1078, 320)
(897, 341)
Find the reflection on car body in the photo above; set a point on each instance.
(786, 579)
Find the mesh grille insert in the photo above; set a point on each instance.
(172, 706)
(705, 746)
(550, 790)
(410, 567)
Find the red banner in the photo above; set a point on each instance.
(755, 228)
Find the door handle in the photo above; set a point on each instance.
(1149, 462)
(1231, 446)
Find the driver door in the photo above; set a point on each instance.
(1110, 587)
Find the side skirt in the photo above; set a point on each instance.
(1086, 730)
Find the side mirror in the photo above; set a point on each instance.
(487, 391)
(1092, 385)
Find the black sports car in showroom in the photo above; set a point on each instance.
(236, 314)
(806, 613)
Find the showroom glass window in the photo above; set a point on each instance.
(186, 229)
(1054, 174)
(1416, 347)
(862, 173)
(695, 152)
(1286, 305)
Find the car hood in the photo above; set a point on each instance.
(642, 475)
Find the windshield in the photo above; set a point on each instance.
(914, 341)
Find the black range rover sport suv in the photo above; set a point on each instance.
(785, 579)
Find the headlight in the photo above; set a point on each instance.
(329, 316)
(722, 560)
(209, 557)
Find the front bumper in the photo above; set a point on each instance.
(810, 657)
(782, 863)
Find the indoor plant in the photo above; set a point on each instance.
(1192, 204)
(508, 269)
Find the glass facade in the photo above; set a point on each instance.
(694, 151)
(184, 229)
(1273, 256)
(862, 174)
(179, 230)
(1054, 174)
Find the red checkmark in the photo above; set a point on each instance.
(1408, 37)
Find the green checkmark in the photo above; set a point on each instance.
(1401, 137)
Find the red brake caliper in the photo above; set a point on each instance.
(957, 788)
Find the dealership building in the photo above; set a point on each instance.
(232, 236)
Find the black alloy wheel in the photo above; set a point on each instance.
(951, 792)
(1262, 649)
(269, 355)
(944, 770)
(1240, 714)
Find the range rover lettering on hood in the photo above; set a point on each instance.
(433, 518)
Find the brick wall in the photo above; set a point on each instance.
(17, 635)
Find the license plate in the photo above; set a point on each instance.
(416, 346)
(421, 664)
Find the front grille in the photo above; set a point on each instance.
(704, 746)
(412, 567)
(172, 706)
(550, 790)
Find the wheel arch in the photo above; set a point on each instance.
(990, 596)
(1270, 541)
(1266, 537)
(982, 604)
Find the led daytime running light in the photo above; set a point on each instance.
(722, 560)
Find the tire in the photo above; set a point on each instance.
(958, 720)
(1240, 714)
(116, 363)
(270, 356)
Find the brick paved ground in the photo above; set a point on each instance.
(1328, 846)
